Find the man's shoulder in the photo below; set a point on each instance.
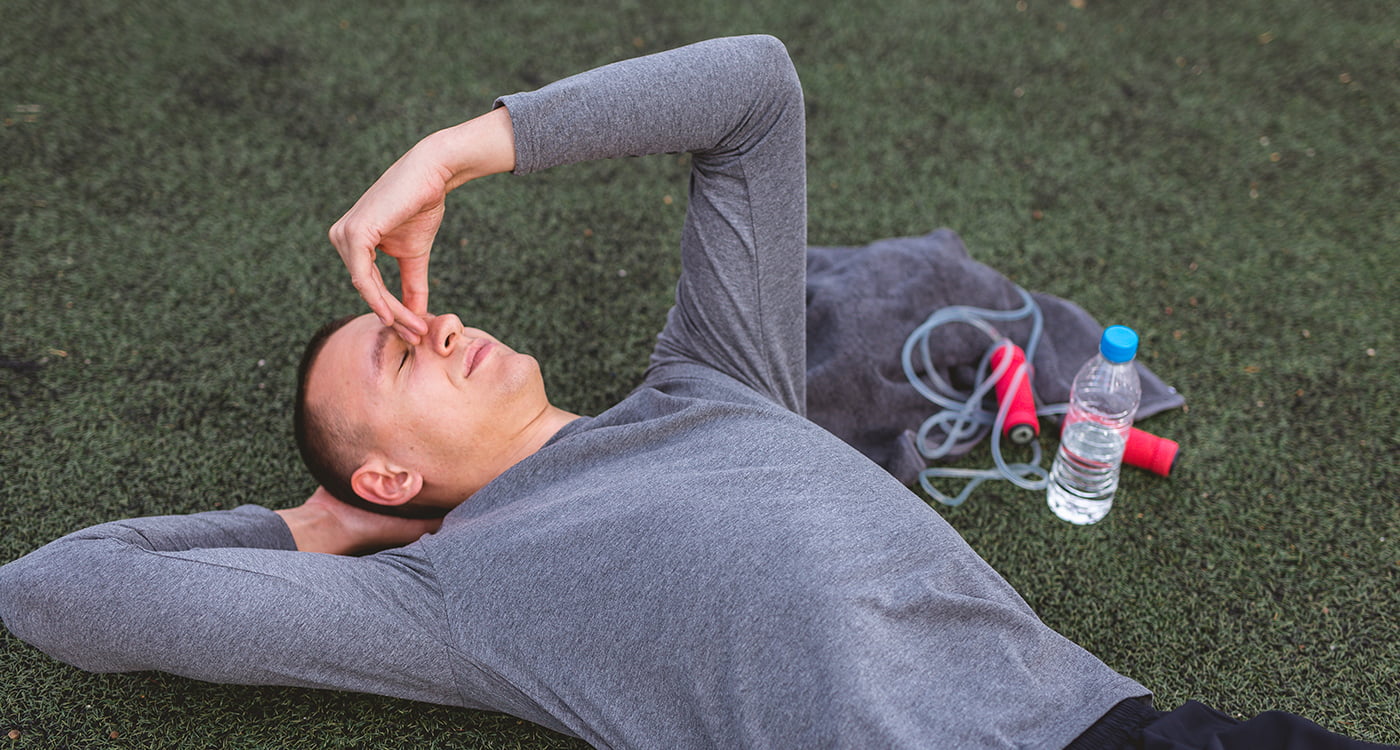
(697, 381)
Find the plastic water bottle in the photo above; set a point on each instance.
(1102, 403)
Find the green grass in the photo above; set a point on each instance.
(1223, 177)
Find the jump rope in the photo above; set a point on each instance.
(1005, 369)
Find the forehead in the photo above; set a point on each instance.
(345, 361)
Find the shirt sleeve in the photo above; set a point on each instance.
(736, 106)
(225, 597)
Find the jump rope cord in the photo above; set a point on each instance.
(963, 419)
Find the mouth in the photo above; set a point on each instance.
(476, 354)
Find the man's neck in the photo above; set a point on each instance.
(543, 429)
(525, 443)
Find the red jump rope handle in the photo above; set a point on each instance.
(1147, 451)
(1021, 425)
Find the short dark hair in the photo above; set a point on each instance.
(331, 447)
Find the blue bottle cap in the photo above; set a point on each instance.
(1119, 344)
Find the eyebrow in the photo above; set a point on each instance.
(377, 355)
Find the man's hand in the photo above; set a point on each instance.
(402, 211)
(399, 214)
(324, 524)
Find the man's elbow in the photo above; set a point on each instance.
(20, 608)
(39, 604)
(770, 55)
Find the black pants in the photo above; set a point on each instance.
(1135, 725)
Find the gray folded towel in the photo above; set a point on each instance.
(863, 302)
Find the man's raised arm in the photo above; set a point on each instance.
(735, 104)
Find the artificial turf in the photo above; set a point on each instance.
(1221, 176)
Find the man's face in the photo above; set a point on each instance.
(446, 407)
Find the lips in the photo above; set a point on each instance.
(476, 353)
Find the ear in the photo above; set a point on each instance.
(380, 481)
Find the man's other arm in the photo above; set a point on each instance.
(225, 597)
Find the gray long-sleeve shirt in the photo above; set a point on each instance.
(699, 566)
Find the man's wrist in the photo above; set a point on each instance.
(479, 147)
(315, 529)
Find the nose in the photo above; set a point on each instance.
(444, 334)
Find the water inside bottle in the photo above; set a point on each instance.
(1083, 478)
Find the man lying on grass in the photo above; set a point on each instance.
(699, 566)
